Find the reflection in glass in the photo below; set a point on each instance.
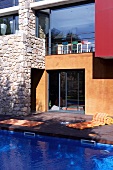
(8, 25)
(63, 88)
(70, 26)
(43, 26)
(75, 89)
(67, 90)
(8, 3)
(71, 29)
(3, 28)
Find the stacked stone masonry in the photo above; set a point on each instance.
(18, 54)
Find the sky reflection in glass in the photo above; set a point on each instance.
(8, 3)
(76, 20)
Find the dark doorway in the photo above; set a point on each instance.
(67, 90)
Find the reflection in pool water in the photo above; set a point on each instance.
(19, 152)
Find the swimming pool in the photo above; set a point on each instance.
(24, 151)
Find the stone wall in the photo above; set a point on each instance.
(18, 54)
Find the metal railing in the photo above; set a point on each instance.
(69, 45)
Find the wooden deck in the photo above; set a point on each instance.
(54, 123)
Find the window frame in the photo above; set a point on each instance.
(15, 18)
(37, 13)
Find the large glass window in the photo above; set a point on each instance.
(43, 24)
(42, 27)
(8, 3)
(71, 29)
(8, 24)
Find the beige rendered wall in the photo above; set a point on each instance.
(98, 83)
(99, 94)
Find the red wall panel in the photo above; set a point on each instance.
(103, 4)
(104, 28)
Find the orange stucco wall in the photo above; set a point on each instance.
(41, 94)
(98, 79)
(38, 90)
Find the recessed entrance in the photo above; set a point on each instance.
(67, 90)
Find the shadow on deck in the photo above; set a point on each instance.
(54, 124)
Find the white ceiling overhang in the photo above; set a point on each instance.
(50, 3)
(9, 11)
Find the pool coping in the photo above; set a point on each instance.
(53, 126)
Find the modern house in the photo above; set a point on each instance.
(56, 55)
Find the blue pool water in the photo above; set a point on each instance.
(23, 152)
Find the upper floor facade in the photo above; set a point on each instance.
(74, 26)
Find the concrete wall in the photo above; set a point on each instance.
(98, 79)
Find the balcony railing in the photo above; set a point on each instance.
(70, 45)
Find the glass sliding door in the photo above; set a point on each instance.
(67, 90)
(76, 90)
(72, 89)
(63, 89)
